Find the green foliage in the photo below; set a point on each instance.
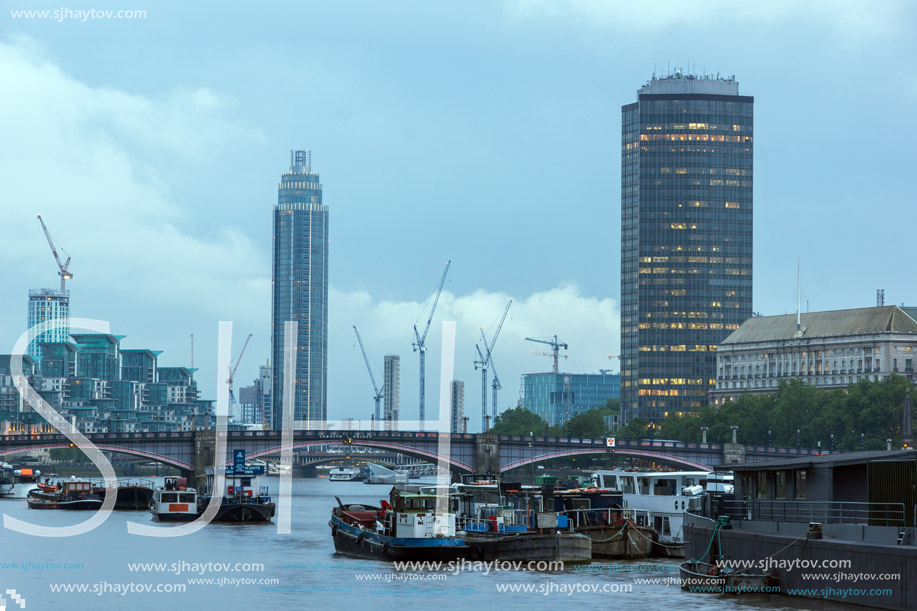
(518, 421)
(873, 409)
(68, 454)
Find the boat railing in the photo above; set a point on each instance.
(826, 512)
(579, 518)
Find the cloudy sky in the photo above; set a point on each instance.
(482, 132)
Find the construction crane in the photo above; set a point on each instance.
(420, 346)
(232, 372)
(488, 347)
(481, 364)
(379, 391)
(555, 344)
(64, 272)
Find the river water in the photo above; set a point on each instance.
(298, 570)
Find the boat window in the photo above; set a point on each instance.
(801, 484)
(664, 487)
(246, 481)
(666, 527)
(688, 481)
(780, 492)
(186, 498)
(644, 485)
(747, 488)
(762, 484)
(627, 485)
(169, 497)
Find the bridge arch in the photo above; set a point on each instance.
(366, 443)
(166, 460)
(666, 458)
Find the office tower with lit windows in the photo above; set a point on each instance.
(686, 238)
(300, 290)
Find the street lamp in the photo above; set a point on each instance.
(862, 442)
(832, 442)
(735, 430)
(798, 440)
(703, 432)
(769, 438)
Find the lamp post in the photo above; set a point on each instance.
(769, 438)
(735, 430)
(832, 442)
(798, 440)
(862, 442)
(703, 432)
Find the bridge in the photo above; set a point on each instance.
(191, 452)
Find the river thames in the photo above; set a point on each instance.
(226, 566)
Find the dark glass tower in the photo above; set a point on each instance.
(300, 289)
(686, 238)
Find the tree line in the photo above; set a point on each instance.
(862, 416)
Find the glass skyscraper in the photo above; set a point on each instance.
(300, 289)
(46, 306)
(686, 238)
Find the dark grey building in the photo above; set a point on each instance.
(686, 238)
(300, 289)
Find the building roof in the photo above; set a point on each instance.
(835, 323)
(836, 459)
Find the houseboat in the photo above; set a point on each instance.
(411, 525)
(69, 494)
(599, 514)
(658, 499)
(174, 501)
(245, 498)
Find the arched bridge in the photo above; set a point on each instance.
(467, 453)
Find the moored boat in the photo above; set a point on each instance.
(704, 577)
(412, 526)
(345, 474)
(244, 498)
(131, 494)
(569, 548)
(599, 514)
(70, 494)
(16, 483)
(174, 501)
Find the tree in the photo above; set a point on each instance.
(518, 421)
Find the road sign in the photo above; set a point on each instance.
(610, 442)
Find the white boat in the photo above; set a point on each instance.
(174, 501)
(345, 474)
(377, 474)
(16, 483)
(658, 499)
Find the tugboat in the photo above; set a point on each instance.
(412, 525)
(70, 494)
(174, 501)
(244, 498)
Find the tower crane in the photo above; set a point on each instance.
(495, 384)
(232, 372)
(420, 346)
(64, 268)
(488, 349)
(379, 391)
(555, 344)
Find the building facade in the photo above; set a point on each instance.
(686, 238)
(557, 397)
(457, 411)
(391, 399)
(300, 289)
(256, 400)
(45, 306)
(829, 350)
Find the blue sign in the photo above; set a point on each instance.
(245, 470)
(238, 458)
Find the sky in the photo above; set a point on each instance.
(486, 133)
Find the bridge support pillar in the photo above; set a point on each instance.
(487, 453)
(733, 453)
(205, 443)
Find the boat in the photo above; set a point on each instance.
(599, 514)
(16, 483)
(69, 494)
(658, 499)
(131, 494)
(412, 525)
(698, 576)
(509, 521)
(174, 501)
(245, 499)
(345, 474)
